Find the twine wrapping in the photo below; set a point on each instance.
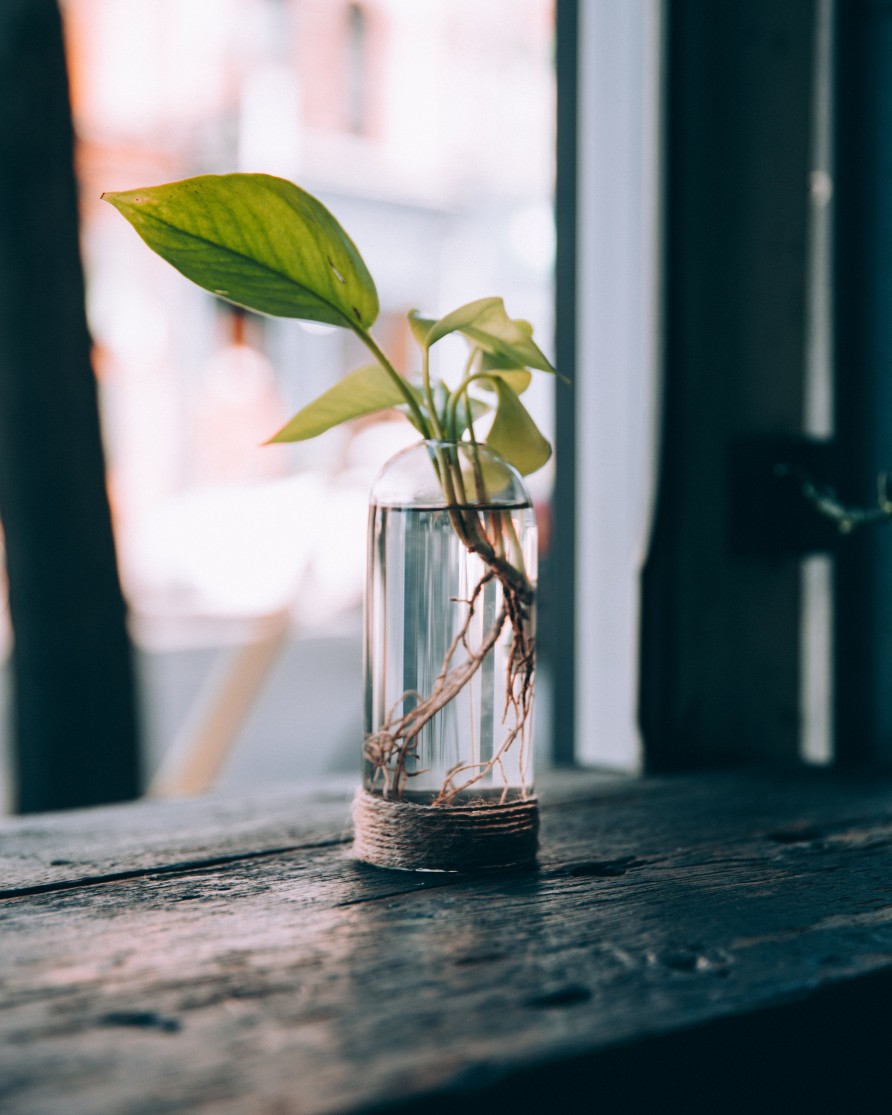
(413, 837)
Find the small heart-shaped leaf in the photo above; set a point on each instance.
(420, 325)
(486, 323)
(463, 421)
(514, 435)
(518, 379)
(364, 391)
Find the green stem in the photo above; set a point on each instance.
(405, 390)
(479, 481)
(428, 393)
(467, 378)
(468, 532)
(515, 547)
(452, 405)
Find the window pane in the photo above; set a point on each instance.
(427, 127)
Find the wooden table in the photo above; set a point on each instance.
(721, 940)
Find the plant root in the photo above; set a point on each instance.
(390, 749)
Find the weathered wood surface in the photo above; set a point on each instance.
(214, 957)
(73, 848)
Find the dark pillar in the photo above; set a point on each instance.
(560, 605)
(862, 296)
(721, 631)
(73, 699)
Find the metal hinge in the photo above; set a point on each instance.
(783, 498)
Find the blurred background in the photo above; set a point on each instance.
(427, 126)
(697, 304)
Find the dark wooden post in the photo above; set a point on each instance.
(721, 631)
(560, 617)
(73, 699)
(862, 298)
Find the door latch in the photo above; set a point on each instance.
(783, 500)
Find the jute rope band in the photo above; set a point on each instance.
(407, 836)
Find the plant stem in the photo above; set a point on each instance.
(478, 471)
(428, 393)
(462, 389)
(389, 749)
(405, 390)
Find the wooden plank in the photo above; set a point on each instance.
(299, 981)
(43, 851)
(64, 849)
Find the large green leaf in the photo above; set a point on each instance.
(364, 391)
(486, 323)
(514, 435)
(258, 241)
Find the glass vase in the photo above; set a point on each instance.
(449, 658)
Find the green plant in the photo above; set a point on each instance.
(267, 245)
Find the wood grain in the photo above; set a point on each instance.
(211, 957)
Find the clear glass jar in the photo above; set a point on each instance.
(449, 629)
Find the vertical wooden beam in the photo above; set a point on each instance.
(73, 699)
(560, 627)
(721, 632)
(862, 299)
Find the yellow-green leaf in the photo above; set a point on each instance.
(486, 323)
(478, 409)
(420, 325)
(257, 241)
(518, 379)
(364, 391)
(514, 435)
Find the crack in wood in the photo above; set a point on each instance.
(187, 867)
(413, 886)
(570, 996)
(856, 831)
(141, 1019)
(601, 869)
